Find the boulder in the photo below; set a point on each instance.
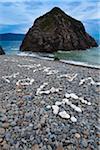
(57, 31)
(1, 51)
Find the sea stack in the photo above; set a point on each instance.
(57, 31)
(1, 51)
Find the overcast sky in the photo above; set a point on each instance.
(18, 15)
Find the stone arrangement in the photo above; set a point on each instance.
(48, 105)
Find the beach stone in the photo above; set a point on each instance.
(85, 134)
(98, 134)
(84, 142)
(3, 118)
(70, 147)
(1, 140)
(42, 102)
(64, 115)
(59, 147)
(55, 109)
(73, 119)
(49, 147)
(6, 147)
(35, 147)
(48, 107)
(2, 110)
(5, 125)
(77, 135)
(2, 131)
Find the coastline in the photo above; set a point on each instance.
(70, 62)
(25, 118)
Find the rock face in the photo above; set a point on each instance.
(57, 31)
(1, 51)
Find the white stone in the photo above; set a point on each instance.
(48, 107)
(73, 119)
(91, 81)
(46, 69)
(76, 108)
(43, 85)
(58, 103)
(85, 101)
(65, 100)
(40, 88)
(55, 109)
(70, 77)
(54, 90)
(26, 81)
(45, 92)
(97, 83)
(82, 100)
(7, 80)
(74, 96)
(52, 72)
(64, 115)
(67, 95)
(89, 103)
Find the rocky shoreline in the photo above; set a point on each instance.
(44, 104)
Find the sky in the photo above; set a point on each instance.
(17, 16)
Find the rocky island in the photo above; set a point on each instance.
(57, 31)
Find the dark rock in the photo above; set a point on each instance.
(57, 31)
(1, 51)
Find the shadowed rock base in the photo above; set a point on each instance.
(1, 51)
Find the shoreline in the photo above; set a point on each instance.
(70, 62)
(30, 88)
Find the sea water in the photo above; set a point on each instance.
(89, 56)
(10, 47)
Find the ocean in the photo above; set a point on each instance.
(89, 56)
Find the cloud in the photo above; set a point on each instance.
(24, 12)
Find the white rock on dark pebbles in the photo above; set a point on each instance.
(58, 103)
(64, 115)
(73, 119)
(55, 109)
(74, 96)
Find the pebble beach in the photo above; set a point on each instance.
(48, 105)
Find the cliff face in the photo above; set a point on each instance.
(57, 31)
(1, 51)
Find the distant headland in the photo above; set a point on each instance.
(11, 37)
